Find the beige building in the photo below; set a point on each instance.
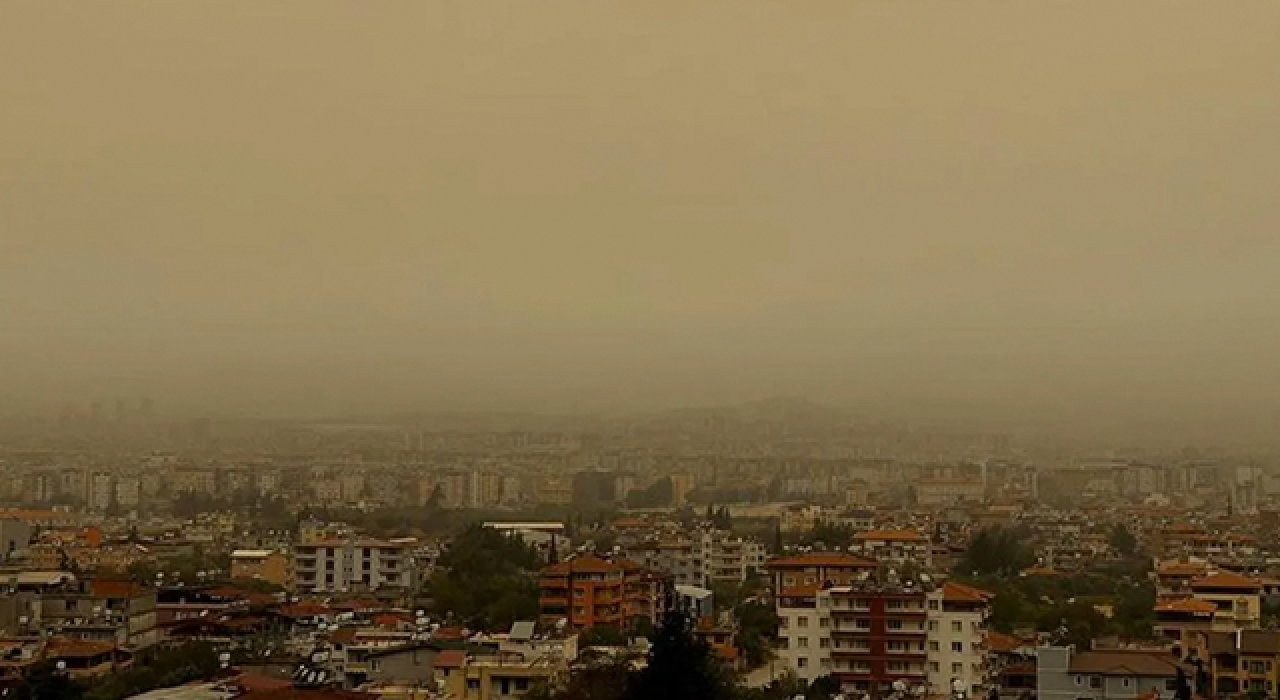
(263, 565)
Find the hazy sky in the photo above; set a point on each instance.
(1023, 209)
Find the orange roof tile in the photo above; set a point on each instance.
(1226, 579)
(1188, 605)
(960, 593)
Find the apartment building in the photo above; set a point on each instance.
(705, 557)
(325, 566)
(897, 547)
(119, 612)
(804, 630)
(957, 640)
(1244, 661)
(1237, 600)
(585, 592)
(492, 677)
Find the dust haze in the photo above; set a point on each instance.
(1055, 216)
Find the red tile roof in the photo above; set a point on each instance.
(960, 593)
(587, 563)
(1187, 605)
(103, 588)
(451, 658)
(1226, 580)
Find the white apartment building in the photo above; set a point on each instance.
(957, 638)
(101, 487)
(707, 556)
(897, 547)
(870, 635)
(325, 566)
(128, 491)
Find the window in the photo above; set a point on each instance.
(1095, 682)
(957, 647)
(802, 642)
(825, 663)
(957, 626)
(783, 642)
(1126, 682)
(933, 666)
(824, 643)
(473, 684)
(933, 605)
(1079, 680)
(782, 623)
(802, 662)
(824, 622)
(957, 667)
(375, 665)
(522, 685)
(1171, 684)
(933, 625)
(894, 624)
(802, 622)
(933, 646)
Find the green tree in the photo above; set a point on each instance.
(1122, 541)
(999, 550)
(45, 682)
(483, 580)
(681, 666)
(757, 631)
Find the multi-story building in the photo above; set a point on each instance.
(586, 591)
(128, 492)
(797, 582)
(957, 625)
(322, 566)
(200, 481)
(493, 677)
(101, 491)
(1245, 661)
(100, 610)
(877, 636)
(706, 557)
(897, 547)
(1179, 621)
(1237, 599)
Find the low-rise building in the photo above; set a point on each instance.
(1119, 674)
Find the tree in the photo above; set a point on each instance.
(829, 536)
(757, 630)
(608, 681)
(681, 666)
(999, 550)
(1122, 541)
(45, 682)
(823, 688)
(483, 580)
